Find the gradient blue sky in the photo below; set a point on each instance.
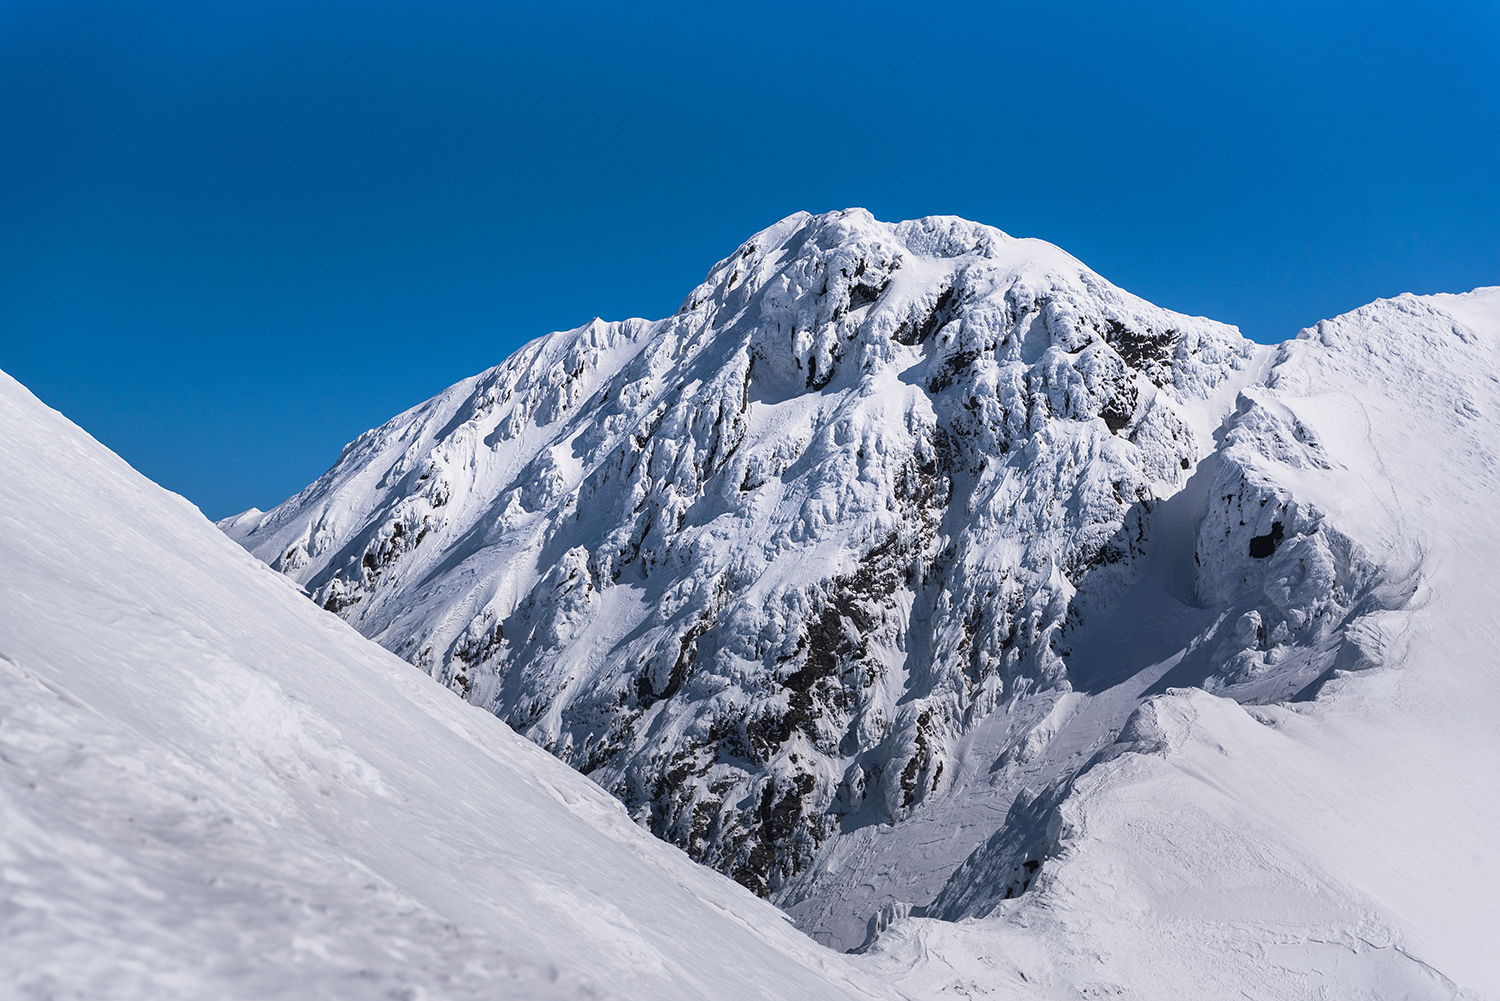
(234, 235)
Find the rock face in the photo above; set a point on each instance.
(760, 567)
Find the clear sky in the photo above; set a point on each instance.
(234, 235)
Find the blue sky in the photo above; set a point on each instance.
(235, 235)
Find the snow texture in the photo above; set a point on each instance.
(210, 788)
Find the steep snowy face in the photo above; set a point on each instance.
(212, 789)
(758, 567)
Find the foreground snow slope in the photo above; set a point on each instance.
(210, 788)
(1338, 846)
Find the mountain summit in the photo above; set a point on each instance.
(842, 577)
(1021, 637)
(759, 567)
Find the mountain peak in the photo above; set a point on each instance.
(761, 566)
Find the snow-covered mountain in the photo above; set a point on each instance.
(914, 574)
(211, 789)
(1105, 656)
(763, 567)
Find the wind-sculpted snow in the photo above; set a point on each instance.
(210, 789)
(762, 567)
(1300, 592)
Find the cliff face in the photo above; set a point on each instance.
(760, 568)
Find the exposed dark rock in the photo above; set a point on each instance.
(1262, 546)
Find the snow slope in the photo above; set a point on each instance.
(768, 568)
(1337, 845)
(210, 788)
